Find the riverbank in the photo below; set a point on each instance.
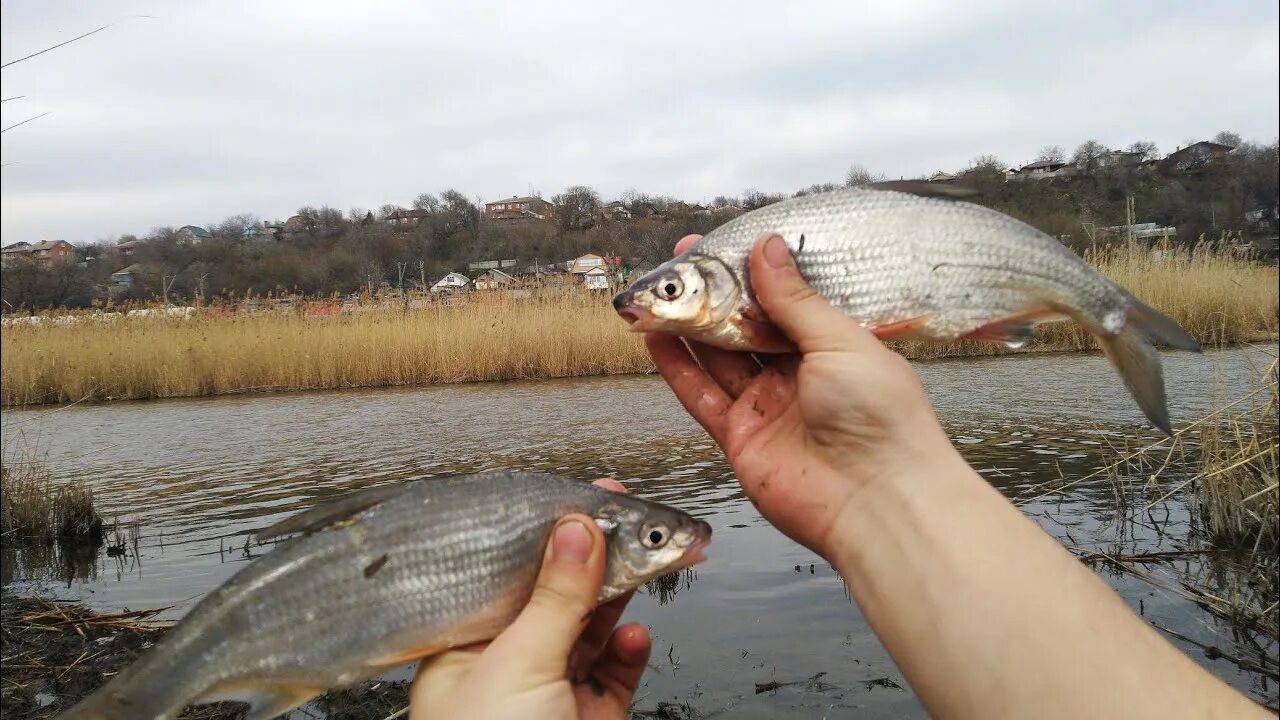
(58, 653)
(1220, 299)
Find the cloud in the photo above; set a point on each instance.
(211, 109)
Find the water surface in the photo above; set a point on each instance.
(199, 476)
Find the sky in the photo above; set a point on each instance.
(202, 110)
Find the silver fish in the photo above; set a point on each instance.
(384, 577)
(907, 260)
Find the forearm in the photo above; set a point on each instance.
(988, 616)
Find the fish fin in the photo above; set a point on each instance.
(761, 335)
(924, 188)
(329, 513)
(1138, 363)
(1016, 330)
(1158, 327)
(898, 329)
(1013, 335)
(266, 701)
(408, 655)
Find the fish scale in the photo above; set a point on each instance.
(877, 256)
(431, 564)
(908, 260)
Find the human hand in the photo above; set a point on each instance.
(561, 658)
(806, 432)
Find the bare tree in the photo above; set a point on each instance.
(1087, 154)
(428, 202)
(816, 188)
(988, 163)
(577, 208)
(860, 175)
(1051, 153)
(1228, 138)
(1146, 148)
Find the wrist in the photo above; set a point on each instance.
(896, 505)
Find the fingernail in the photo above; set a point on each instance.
(572, 542)
(776, 252)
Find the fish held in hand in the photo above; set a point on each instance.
(906, 260)
(381, 578)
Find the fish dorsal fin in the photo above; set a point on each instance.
(329, 513)
(924, 188)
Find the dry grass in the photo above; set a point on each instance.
(485, 338)
(35, 509)
(1237, 488)
(1218, 297)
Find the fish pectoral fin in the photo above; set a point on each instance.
(266, 700)
(329, 513)
(899, 329)
(406, 656)
(761, 335)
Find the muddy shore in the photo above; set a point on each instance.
(54, 654)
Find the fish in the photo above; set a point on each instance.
(381, 578)
(907, 260)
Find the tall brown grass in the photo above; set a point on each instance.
(1238, 488)
(1217, 296)
(36, 509)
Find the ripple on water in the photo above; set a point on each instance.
(199, 476)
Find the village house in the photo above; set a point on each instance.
(519, 208)
(490, 265)
(1197, 154)
(122, 279)
(1120, 158)
(1042, 170)
(616, 210)
(451, 283)
(492, 279)
(45, 252)
(407, 218)
(192, 235)
(596, 272)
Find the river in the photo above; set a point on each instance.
(198, 476)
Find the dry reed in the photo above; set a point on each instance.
(1237, 488)
(35, 509)
(1218, 297)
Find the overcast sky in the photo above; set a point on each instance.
(209, 109)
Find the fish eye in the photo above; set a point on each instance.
(654, 536)
(669, 288)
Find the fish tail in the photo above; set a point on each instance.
(1138, 364)
(106, 705)
(1133, 353)
(1158, 327)
(138, 692)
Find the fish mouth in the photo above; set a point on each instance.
(638, 318)
(694, 553)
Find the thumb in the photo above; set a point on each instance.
(534, 649)
(792, 304)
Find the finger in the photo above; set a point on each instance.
(731, 370)
(623, 662)
(598, 631)
(811, 322)
(685, 243)
(534, 649)
(701, 397)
